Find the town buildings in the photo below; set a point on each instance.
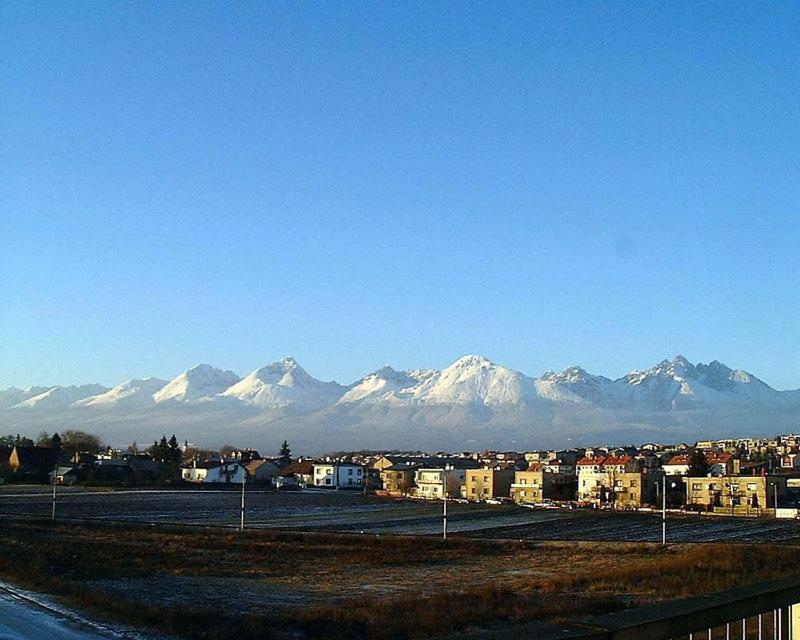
(338, 475)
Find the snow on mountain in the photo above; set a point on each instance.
(678, 383)
(471, 403)
(132, 393)
(573, 384)
(473, 379)
(386, 385)
(60, 397)
(14, 395)
(199, 382)
(285, 384)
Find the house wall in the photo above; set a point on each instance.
(528, 486)
(536, 486)
(397, 482)
(430, 481)
(480, 484)
(726, 492)
(338, 476)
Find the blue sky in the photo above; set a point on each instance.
(355, 184)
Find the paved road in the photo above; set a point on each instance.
(21, 618)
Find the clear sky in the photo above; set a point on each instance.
(355, 184)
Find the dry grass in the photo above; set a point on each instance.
(417, 587)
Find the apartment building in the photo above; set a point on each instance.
(537, 484)
(740, 494)
(481, 484)
(431, 483)
(598, 475)
(398, 479)
(633, 490)
(338, 475)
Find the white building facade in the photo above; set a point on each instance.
(215, 473)
(338, 475)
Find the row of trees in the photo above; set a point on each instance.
(71, 441)
(166, 451)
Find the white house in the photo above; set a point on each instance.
(600, 472)
(214, 472)
(338, 475)
(431, 482)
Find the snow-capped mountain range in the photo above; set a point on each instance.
(471, 402)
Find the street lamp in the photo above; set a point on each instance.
(55, 484)
(444, 505)
(673, 484)
(664, 509)
(241, 514)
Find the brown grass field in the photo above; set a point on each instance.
(220, 584)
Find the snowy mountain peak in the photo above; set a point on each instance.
(286, 372)
(60, 397)
(201, 381)
(473, 379)
(382, 384)
(470, 361)
(573, 375)
(131, 393)
(285, 384)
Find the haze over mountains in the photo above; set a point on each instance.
(471, 404)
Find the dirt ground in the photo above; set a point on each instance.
(356, 586)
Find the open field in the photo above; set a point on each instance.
(353, 512)
(218, 583)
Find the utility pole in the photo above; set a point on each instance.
(55, 484)
(444, 505)
(241, 514)
(664, 510)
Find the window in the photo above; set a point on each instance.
(634, 483)
(752, 486)
(696, 486)
(349, 472)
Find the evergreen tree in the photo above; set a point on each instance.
(286, 454)
(698, 464)
(55, 441)
(174, 449)
(163, 449)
